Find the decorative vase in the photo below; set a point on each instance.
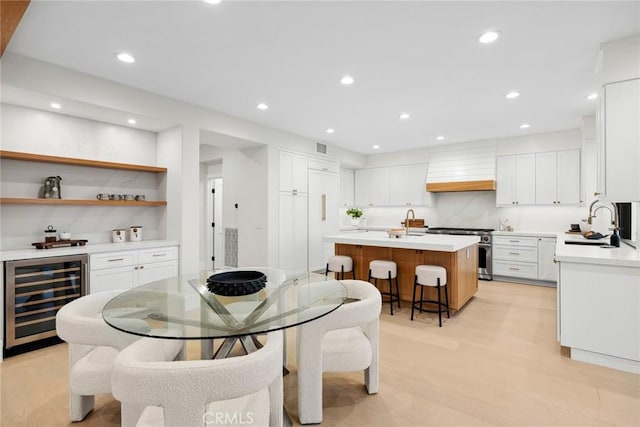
(355, 222)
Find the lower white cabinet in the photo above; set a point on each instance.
(126, 269)
(292, 231)
(526, 257)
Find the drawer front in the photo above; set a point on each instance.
(324, 165)
(515, 269)
(158, 254)
(515, 241)
(515, 253)
(112, 260)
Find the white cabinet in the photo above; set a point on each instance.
(293, 172)
(516, 180)
(323, 215)
(547, 267)
(363, 187)
(558, 178)
(126, 269)
(407, 186)
(619, 142)
(347, 186)
(292, 231)
(526, 257)
(372, 187)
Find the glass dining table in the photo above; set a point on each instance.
(184, 308)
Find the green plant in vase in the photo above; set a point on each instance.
(355, 215)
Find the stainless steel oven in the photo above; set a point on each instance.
(485, 269)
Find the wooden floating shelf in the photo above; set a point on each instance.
(24, 201)
(29, 157)
(486, 185)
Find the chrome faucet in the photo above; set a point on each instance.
(406, 220)
(614, 213)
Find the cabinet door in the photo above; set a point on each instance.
(110, 279)
(525, 179)
(399, 186)
(622, 141)
(292, 232)
(505, 172)
(323, 216)
(292, 172)
(568, 177)
(546, 178)
(347, 183)
(156, 271)
(363, 187)
(547, 268)
(380, 186)
(418, 195)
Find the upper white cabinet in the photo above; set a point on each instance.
(293, 172)
(619, 142)
(347, 185)
(558, 178)
(516, 180)
(372, 187)
(392, 186)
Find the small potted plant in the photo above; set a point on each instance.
(355, 215)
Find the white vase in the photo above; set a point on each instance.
(355, 222)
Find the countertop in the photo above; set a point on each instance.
(587, 254)
(429, 242)
(15, 254)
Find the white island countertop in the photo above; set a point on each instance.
(89, 248)
(594, 254)
(428, 242)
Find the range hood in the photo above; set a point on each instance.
(462, 167)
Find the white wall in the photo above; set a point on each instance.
(49, 133)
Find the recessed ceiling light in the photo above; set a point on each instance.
(439, 138)
(489, 37)
(132, 121)
(212, 1)
(330, 130)
(56, 105)
(592, 96)
(262, 106)
(375, 147)
(347, 80)
(404, 116)
(512, 95)
(125, 57)
(525, 126)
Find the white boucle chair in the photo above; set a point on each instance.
(344, 340)
(234, 391)
(93, 346)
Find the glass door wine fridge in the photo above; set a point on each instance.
(35, 290)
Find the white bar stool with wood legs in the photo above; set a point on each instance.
(340, 264)
(433, 276)
(386, 270)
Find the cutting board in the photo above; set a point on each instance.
(415, 223)
(58, 244)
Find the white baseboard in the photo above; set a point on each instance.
(626, 365)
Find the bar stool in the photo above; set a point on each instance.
(433, 276)
(340, 264)
(379, 269)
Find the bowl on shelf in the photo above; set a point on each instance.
(64, 235)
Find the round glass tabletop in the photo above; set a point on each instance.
(184, 308)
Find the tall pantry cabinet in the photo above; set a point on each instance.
(323, 210)
(292, 226)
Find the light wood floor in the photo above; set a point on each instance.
(495, 363)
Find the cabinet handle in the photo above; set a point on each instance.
(514, 269)
(163, 254)
(135, 268)
(324, 207)
(514, 241)
(555, 261)
(141, 267)
(115, 259)
(514, 253)
(597, 193)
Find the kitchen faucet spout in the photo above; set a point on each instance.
(613, 212)
(406, 220)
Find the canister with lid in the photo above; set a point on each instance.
(50, 234)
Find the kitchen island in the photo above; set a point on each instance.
(599, 303)
(457, 254)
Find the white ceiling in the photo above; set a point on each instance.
(417, 57)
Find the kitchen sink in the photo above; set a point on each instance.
(588, 243)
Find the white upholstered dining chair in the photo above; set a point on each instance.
(344, 340)
(93, 346)
(155, 391)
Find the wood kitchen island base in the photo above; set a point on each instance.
(461, 266)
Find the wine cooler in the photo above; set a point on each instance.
(35, 289)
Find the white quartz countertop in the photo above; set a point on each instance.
(429, 242)
(593, 254)
(525, 233)
(10, 255)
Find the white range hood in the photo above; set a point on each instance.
(462, 167)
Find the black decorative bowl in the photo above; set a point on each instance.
(236, 283)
